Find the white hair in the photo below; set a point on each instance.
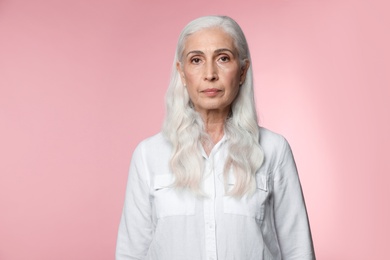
(184, 128)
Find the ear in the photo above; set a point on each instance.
(181, 73)
(244, 70)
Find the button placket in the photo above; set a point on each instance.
(209, 211)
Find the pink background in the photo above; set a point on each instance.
(82, 82)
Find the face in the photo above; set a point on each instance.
(210, 69)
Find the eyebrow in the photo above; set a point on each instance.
(217, 51)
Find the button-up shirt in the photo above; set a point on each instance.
(160, 222)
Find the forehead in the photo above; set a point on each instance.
(209, 39)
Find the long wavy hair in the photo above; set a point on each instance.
(184, 128)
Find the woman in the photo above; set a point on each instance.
(213, 185)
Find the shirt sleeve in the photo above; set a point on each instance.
(135, 228)
(291, 221)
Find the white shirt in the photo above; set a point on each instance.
(163, 223)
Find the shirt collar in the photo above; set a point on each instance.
(215, 149)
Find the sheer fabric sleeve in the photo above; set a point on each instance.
(291, 221)
(135, 228)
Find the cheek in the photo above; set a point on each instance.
(235, 92)
(191, 91)
(234, 79)
(191, 75)
(234, 74)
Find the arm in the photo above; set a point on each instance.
(136, 228)
(291, 221)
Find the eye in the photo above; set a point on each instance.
(224, 58)
(195, 60)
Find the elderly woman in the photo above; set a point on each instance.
(213, 184)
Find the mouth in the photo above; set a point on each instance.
(211, 92)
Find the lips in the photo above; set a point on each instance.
(210, 92)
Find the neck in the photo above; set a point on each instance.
(214, 124)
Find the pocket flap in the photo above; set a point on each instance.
(163, 181)
(261, 181)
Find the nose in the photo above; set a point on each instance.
(210, 71)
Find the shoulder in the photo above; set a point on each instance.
(153, 147)
(274, 146)
(154, 141)
(270, 140)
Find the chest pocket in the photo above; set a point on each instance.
(250, 206)
(170, 201)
